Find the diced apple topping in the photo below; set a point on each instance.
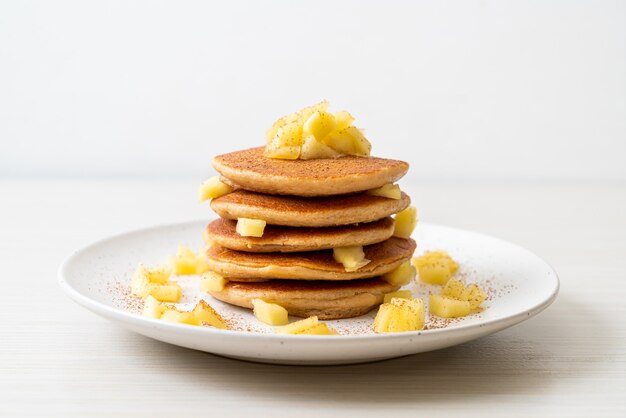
(213, 188)
(270, 313)
(155, 282)
(446, 307)
(401, 275)
(391, 191)
(456, 299)
(405, 223)
(310, 326)
(435, 267)
(313, 149)
(298, 326)
(319, 124)
(352, 258)
(202, 313)
(173, 315)
(343, 119)
(400, 315)
(314, 132)
(169, 292)
(319, 329)
(212, 282)
(472, 293)
(186, 261)
(349, 141)
(475, 295)
(250, 227)
(152, 308)
(402, 294)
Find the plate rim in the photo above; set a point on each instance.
(110, 311)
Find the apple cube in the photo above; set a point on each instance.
(401, 275)
(152, 308)
(213, 188)
(447, 307)
(174, 315)
(203, 312)
(319, 329)
(212, 282)
(405, 222)
(390, 191)
(352, 258)
(250, 227)
(270, 313)
(298, 326)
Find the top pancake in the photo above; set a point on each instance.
(251, 170)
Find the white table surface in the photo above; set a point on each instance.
(57, 359)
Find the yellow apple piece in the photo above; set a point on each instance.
(272, 132)
(391, 191)
(383, 316)
(447, 307)
(401, 294)
(270, 313)
(170, 292)
(286, 143)
(152, 308)
(144, 276)
(139, 282)
(319, 329)
(289, 135)
(159, 274)
(352, 258)
(174, 315)
(343, 119)
(319, 124)
(348, 141)
(400, 315)
(250, 227)
(362, 146)
(186, 261)
(435, 267)
(475, 295)
(454, 289)
(472, 293)
(305, 113)
(410, 315)
(203, 312)
(405, 223)
(213, 188)
(313, 149)
(212, 282)
(298, 326)
(401, 275)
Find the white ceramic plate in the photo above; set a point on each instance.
(519, 285)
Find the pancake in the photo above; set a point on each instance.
(307, 211)
(315, 265)
(251, 170)
(288, 239)
(326, 300)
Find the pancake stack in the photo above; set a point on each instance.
(310, 207)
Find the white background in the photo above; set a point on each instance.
(489, 90)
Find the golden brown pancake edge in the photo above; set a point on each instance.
(251, 170)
